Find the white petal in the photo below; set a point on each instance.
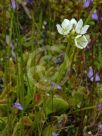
(81, 41)
(84, 29)
(79, 26)
(73, 21)
(65, 32)
(59, 28)
(65, 23)
(66, 26)
(87, 37)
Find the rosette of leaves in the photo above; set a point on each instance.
(42, 69)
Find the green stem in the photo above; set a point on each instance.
(69, 57)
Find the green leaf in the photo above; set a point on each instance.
(55, 104)
(77, 97)
(3, 122)
(48, 131)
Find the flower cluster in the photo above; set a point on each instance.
(93, 76)
(94, 15)
(55, 86)
(76, 29)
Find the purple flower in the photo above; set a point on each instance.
(59, 87)
(13, 4)
(99, 106)
(100, 129)
(30, 1)
(18, 106)
(54, 85)
(95, 16)
(87, 3)
(91, 75)
(54, 134)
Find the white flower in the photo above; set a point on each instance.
(80, 29)
(65, 27)
(81, 41)
(80, 38)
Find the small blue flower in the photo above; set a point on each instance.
(92, 76)
(54, 86)
(95, 16)
(30, 1)
(59, 87)
(99, 106)
(53, 83)
(54, 134)
(87, 3)
(13, 4)
(100, 129)
(18, 106)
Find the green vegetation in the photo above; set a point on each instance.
(50, 77)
